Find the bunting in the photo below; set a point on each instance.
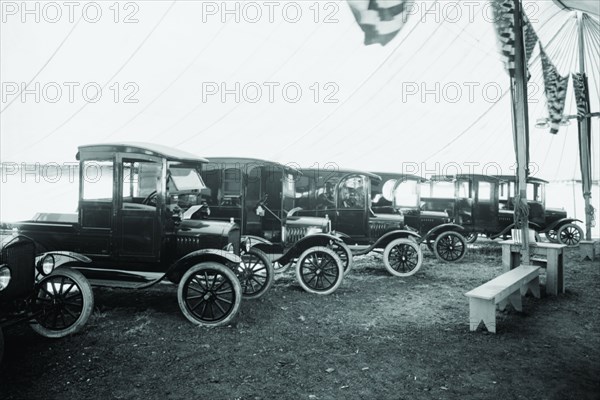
(555, 90)
(580, 95)
(505, 34)
(381, 20)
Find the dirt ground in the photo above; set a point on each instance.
(376, 337)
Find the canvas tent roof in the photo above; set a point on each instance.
(433, 101)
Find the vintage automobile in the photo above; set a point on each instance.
(141, 221)
(552, 222)
(56, 301)
(344, 197)
(477, 206)
(260, 196)
(401, 193)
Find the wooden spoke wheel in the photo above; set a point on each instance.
(569, 234)
(209, 294)
(319, 270)
(63, 303)
(450, 246)
(402, 257)
(255, 273)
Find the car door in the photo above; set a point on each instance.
(352, 207)
(139, 204)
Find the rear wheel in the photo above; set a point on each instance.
(63, 303)
(344, 253)
(209, 294)
(551, 236)
(450, 246)
(471, 237)
(402, 257)
(569, 234)
(255, 273)
(319, 270)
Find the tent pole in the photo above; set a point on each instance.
(584, 125)
(519, 100)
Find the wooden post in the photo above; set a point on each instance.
(521, 127)
(584, 125)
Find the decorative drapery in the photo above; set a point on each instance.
(381, 20)
(555, 88)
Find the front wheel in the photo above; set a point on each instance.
(402, 257)
(209, 294)
(450, 246)
(63, 303)
(319, 270)
(255, 273)
(569, 234)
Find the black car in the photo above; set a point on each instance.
(56, 301)
(141, 221)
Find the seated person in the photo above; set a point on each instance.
(326, 198)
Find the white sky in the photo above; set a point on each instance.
(377, 124)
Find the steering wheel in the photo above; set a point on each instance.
(150, 199)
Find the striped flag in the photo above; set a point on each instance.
(580, 96)
(505, 33)
(556, 91)
(381, 20)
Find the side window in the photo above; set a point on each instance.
(406, 194)
(141, 181)
(97, 180)
(484, 191)
(352, 193)
(212, 178)
(464, 190)
(232, 187)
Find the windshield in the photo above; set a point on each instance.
(406, 194)
(184, 179)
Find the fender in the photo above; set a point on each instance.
(506, 230)
(316, 239)
(383, 241)
(178, 268)
(437, 230)
(557, 224)
(254, 240)
(61, 257)
(341, 235)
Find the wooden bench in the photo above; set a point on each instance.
(500, 291)
(550, 255)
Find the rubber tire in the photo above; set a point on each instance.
(402, 242)
(563, 228)
(270, 275)
(442, 237)
(339, 264)
(87, 298)
(221, 269)
(339, 248)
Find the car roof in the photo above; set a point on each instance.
(394, 175)
(151, 149)
(438, 178)
(342, 172)
(512, 178)
(255, 161)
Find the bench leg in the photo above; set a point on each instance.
(515, 300)
(482, 311)
(533, 286)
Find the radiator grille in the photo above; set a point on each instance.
(20, 258)
(294, 234)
